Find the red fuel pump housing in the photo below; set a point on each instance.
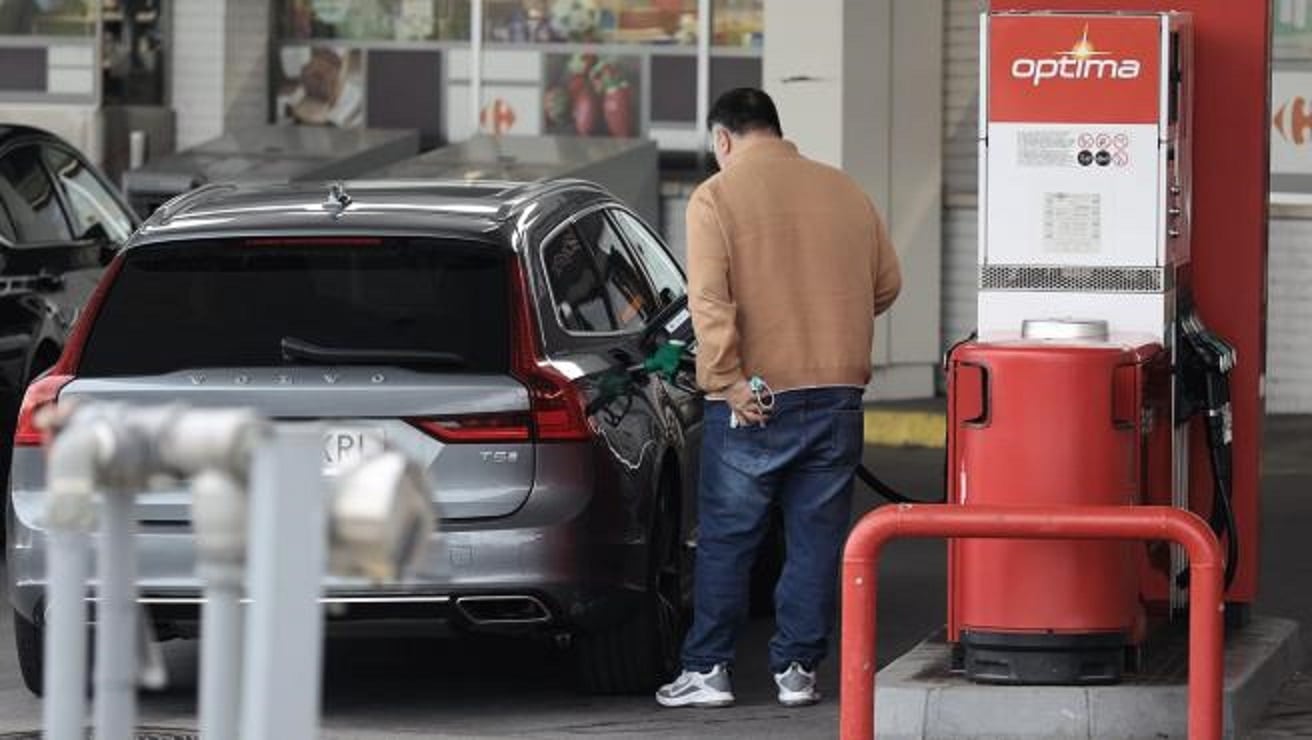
(1048, 423)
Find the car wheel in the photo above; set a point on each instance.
(642, 651)
(768, 567)
(28, 640)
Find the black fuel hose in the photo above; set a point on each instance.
(1222, 464)
(888, 492)
(892, 494)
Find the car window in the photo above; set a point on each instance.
(594, 282)
(232, 303)
(666, 278)
(90, 204)
(30, 196)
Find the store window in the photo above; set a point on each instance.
(48, 18)
(375, 20)
(48, 51)
(739, 23)
(1291, 147)
(592, 95)
(595, 68)
(133, 52)
(320, 85)
(591, 21)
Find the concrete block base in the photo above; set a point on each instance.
(919, 696)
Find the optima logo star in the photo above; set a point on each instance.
(1082, 62)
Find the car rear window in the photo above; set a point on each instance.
(225, 304)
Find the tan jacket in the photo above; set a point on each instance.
(788, 265)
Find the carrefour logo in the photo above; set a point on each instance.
(1082, 62)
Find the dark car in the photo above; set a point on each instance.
(493, 331)
(60, 223)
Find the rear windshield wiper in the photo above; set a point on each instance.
(299, 350)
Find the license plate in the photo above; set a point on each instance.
(343, 447)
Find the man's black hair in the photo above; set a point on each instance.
(743, 110)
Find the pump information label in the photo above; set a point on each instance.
(1072, 223)
(1045, 148)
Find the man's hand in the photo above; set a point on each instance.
(742, 401)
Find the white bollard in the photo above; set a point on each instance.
(65, 651)
(219, 519)
(115, 710)
(136, 149)
(69, 518)
(260, 685)
(286, 559)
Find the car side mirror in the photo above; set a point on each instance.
(96, 236)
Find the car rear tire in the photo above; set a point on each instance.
(639, 653)
(28, 641)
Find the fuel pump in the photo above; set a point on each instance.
(1091, 361)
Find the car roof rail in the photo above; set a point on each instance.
(542, 188)
(180, 204)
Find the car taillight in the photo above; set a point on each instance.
(511, 427)
(45, 389)
(77, 338)
(558, 408)
(41, 393)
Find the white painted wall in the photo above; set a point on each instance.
(246, 62)
(858, 84)
(220, 54)
(1289, 313)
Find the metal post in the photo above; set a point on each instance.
(220, 657)
(705, 29)
(475, 66)
(136, 149)
(65, 649)
(219, 518)
(287, 554)
(70, 517)
(861, 556)
(116, 620)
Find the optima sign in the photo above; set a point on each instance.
(1083, 62)
(1071, 68)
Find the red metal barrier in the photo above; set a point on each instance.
(860, 566)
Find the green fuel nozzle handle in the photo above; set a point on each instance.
(666, 359)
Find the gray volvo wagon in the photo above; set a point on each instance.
(491, 330)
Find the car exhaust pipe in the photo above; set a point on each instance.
(503, 610)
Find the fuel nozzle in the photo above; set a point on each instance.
(1205, 361)
(667, 359)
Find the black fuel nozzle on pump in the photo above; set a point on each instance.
(1203, 364)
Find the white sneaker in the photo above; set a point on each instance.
(693, 689)
(796, 686)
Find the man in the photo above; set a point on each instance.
(788, 264)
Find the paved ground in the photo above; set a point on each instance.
(499, 688)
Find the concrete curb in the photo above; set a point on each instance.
(919, 697)
(888, 428)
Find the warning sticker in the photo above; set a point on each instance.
(1036, 148)
(1072, 223)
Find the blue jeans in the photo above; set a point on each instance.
(803, 460)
